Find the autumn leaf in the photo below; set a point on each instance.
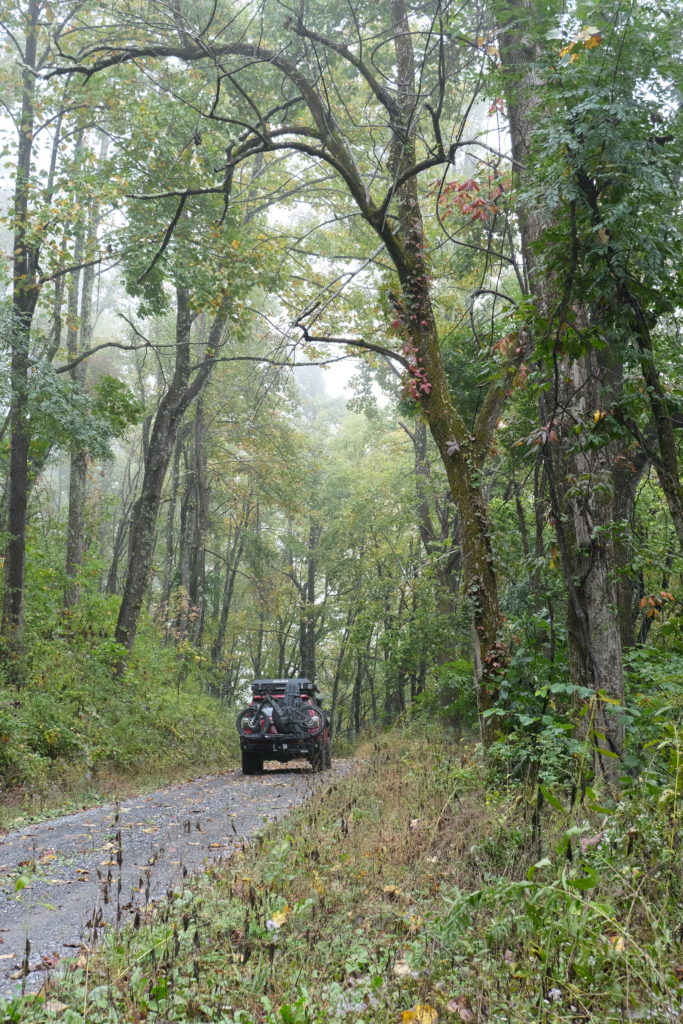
(423, 1013)
(280, 916)
(590, 37)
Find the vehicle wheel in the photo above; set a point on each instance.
(327, 756)
(251, 763)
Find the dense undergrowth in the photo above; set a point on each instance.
(77, 732)
(410, 891)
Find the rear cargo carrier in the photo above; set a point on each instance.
(285, 721)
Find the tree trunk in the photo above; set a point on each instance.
(78, 477)
(78, 462)
(582, 496)
(461, 449)
(24, 298)
(356, 697)
(579, 473)
(308, 611)
(169, 552)
(341, 653)
(197, 580)
(232, 561)
(180, 394)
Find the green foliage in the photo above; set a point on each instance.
(537, 705)
(77, 727)
(75, 721)
(65, 416)
(115, 403)
(590, 925)
(450, 698)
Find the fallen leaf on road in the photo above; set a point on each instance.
(54, 1006)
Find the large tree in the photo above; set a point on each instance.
(597, 183)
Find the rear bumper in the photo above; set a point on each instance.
(282, 747)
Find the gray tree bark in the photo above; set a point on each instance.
(182, 391)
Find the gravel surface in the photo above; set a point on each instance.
(85, 871)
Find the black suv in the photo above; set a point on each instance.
(284, 721)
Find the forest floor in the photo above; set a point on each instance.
(64, 882)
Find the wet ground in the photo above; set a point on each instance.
(63, 881)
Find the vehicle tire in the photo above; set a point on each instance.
(327, 756)
(251, 763)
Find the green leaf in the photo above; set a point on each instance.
(550, 798)
(544, 863)
(588, 881)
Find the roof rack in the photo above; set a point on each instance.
(266, 686)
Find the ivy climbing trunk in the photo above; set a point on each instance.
(462, 450)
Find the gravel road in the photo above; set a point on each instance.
(85, 870)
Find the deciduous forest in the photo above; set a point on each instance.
(341, 339)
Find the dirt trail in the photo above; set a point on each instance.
(88, 870)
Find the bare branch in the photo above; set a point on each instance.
(354, 343)
(98, 348)
(165, 241)
(68, 270)
(270, 362)
(382, 94)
